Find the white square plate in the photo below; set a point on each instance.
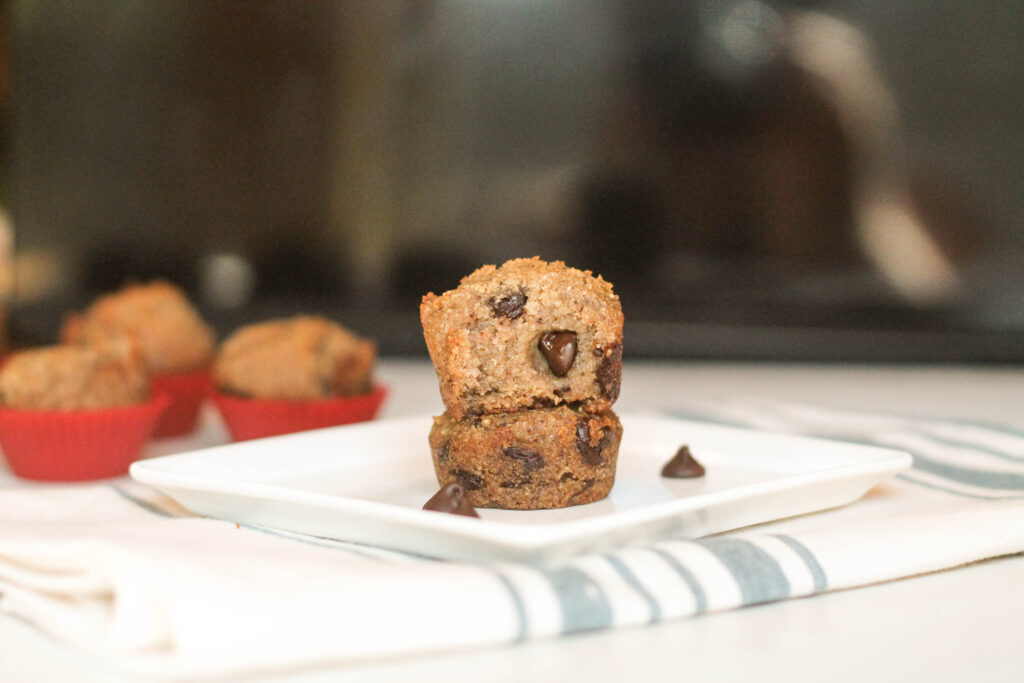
(367, 483)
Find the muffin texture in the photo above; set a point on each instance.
(527, 334)
(530, 459)
(67, 377)
(298, 358)
(528, 357)
(169, 332)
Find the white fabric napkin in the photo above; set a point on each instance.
(123, 571)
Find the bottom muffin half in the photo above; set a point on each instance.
(528, 460)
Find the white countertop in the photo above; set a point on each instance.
(956, 625)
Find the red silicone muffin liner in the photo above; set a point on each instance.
(251, 418)
(77, 445)
(187, 391)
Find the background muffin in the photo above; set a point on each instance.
(71, 413)
(293, 374)
(175, 343)
(169, 332)
(300, 358)
(75, 377)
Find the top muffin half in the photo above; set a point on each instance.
(527, 334)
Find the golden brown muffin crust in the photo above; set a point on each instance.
(299, 358)
(75, 377)
(530, 459)
(169, 332)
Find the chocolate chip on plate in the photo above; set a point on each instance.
(682, 466)
(451, 499)
(559, 349)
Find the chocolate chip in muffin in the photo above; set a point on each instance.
(609, 373)
(442, 451)
(509, 306)
(588, 483)
(591, 454)
(471, 481)
(559, 350)
(532, 460)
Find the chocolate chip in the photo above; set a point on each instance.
(588, 483)
(559, 349)
(591, 454)
(451, 499)
(532, 460)
(514, 484)
(609, 373)
(510, 306)
(443, 450)
(542, 402)
(471, 481)
(682, 466)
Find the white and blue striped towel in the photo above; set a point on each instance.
(123, 571)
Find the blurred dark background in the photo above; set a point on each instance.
(815, 181)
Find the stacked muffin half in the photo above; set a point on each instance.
(529, 360)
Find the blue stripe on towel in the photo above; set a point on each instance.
(584, 605)
(972, 446)
(910, 479)
(813, 566)
(523, 627)
(994, 427)
(988, 479)
(757, 573)
(629, 577)
(699, 596)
